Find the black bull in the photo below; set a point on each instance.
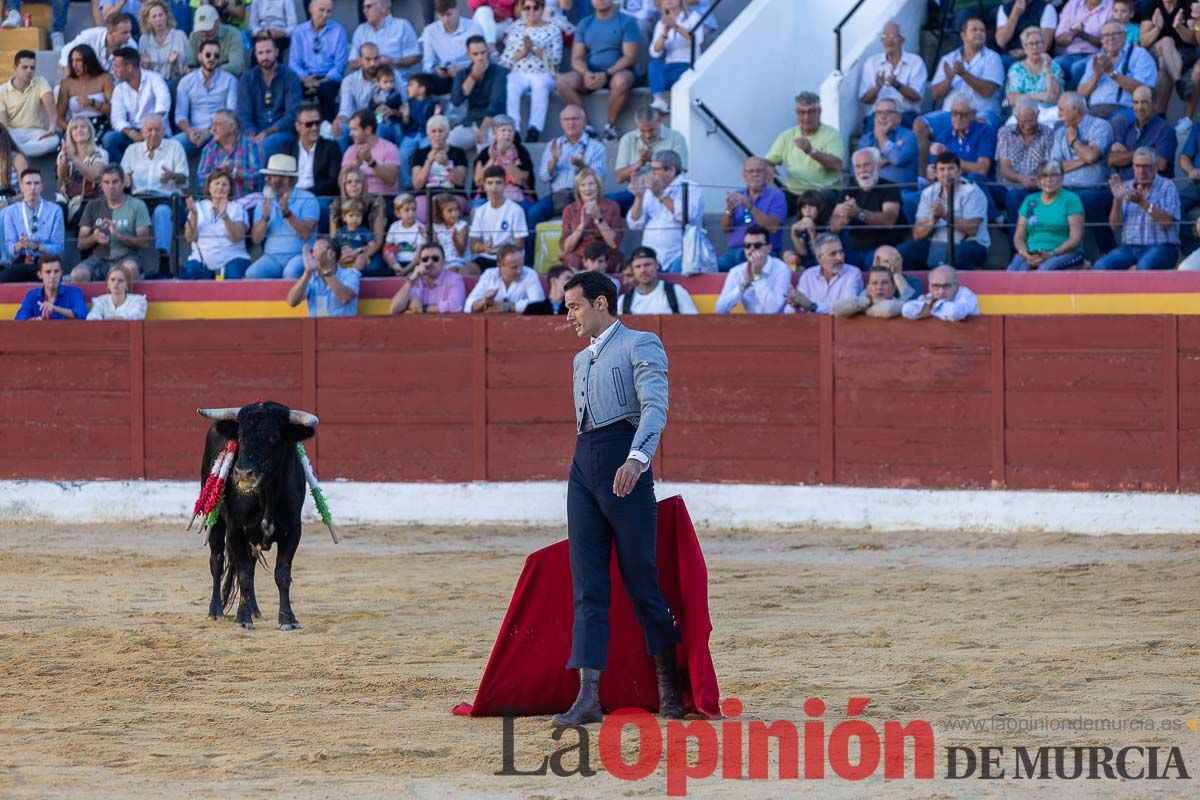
(263, 498)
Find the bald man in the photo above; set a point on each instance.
(759, 203)
(1148, 129)
(946, 300)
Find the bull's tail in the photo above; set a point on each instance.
(229, 583)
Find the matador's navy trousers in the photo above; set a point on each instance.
(596, 518)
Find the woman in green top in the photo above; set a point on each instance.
(1050, 228)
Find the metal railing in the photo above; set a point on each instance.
(837, 34)
(711, 116)
(698, 26)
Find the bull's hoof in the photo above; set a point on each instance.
(291, 626)
(247, 625)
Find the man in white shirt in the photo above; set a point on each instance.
(156, 170)
(508, 288)
(830, 281)
(894, 75)
(946, 300)
(114, 34)
(761, 283)
(651, 294)
(394, 37)
(931, 228)
(659, 208)
(140, 92)
(499, 221)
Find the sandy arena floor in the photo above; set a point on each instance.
(114, 684)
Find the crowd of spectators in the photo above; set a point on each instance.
(283, 146)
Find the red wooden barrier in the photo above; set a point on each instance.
(1101, 403)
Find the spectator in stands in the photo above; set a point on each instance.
(431, 288)
(1049, 231)
(496, 222)
(481, 89)
(648, 293)
(138, 92)
(590, 218)
(353, 185)
(1077, 36)
(156, 170)
(1020, 151)
(439, 166)
(1122, 12)
(893, 75)
(946, 300)
(27, 108)
(555, 302)
(201, 94)
(671, 47)
(232, 12)
(450, 230)
(603, 56)
(1167, 32)
(810, 222)
(378, 158)
(1146, 129)
(276, 19)
(969, 137)
(105, 41)
(560, 163)
(1189, 166)
(207, 27)
(115, 228)
(359, 246)
(637, 147)
(85, 91)
(163, 47)
(102, 8)
(1036, 76)
(811, 153)
(32, 229)
(599, 257)
(216, 229)
(907, 287)
(867, 216)
(1081, 145)
(78, 168)
(58, 20)
(973, 68)
(1113, 74)
(319, 53)
(118, 303)
(532, 53)
(394, 39)
(240, 156)
(330, 289)
(877, 300)
(508, 288)
(52, 300)
(1145, 212)
(668, 203)
(445, 45)
(761, 283)
(932, 229)
(897, 145)
(495, 17)
(357, 92)
(1014, 17)
(286, 221)
(758, 204)
(404, 237)
(318, 160)
(832, 279)
(268, 98)
(414, 117)
(511, 156)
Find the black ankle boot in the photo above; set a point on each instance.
(670, 704)
(587, 705)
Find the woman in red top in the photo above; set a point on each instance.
(590, 218)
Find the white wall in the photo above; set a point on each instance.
(749, 77)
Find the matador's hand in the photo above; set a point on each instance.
(627, 475)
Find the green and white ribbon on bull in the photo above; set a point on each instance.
(315, 487)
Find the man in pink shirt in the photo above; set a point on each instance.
(378, 158)
(431, 289)
(1077, 36)
(831, 280)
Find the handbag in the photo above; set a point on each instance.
(699, 255)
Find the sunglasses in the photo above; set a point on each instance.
(753, 245)
(430, 259)
(312, 123)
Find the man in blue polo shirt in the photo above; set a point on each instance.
(330, 289)
(973, 140)
(604, 55)
(52, 300)
(1148, 129)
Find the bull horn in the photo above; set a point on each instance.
(219, 413)
(302, 418)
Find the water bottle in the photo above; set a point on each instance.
(747, 217)
(27, 20)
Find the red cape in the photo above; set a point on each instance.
(526, 674)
